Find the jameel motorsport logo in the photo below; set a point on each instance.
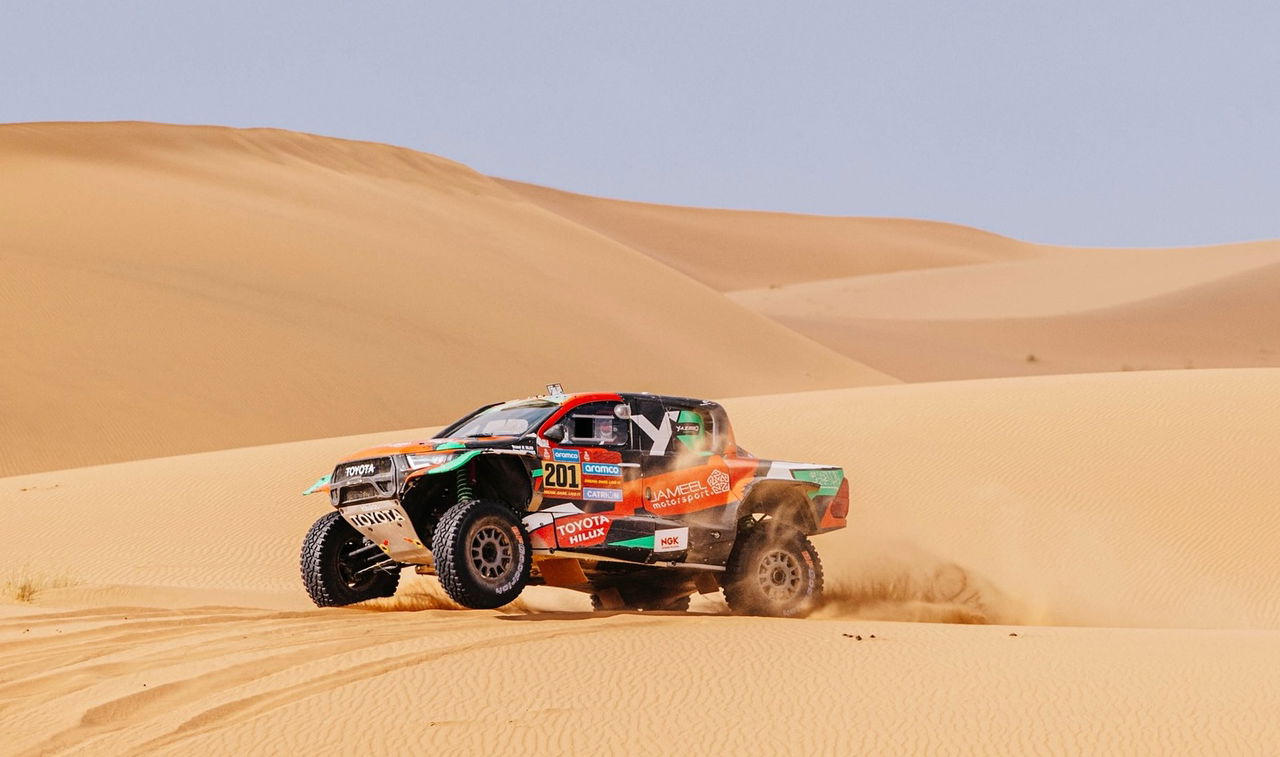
(718, 481)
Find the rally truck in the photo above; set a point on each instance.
(637, 499)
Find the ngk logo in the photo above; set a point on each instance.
(582, 531)
(671, 540)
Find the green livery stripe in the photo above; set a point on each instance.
(644, 542)
(316, 486)
(449, 445)
(827, 479)
(455, 463)
(536, 473)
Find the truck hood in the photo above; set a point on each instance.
(432, 445)
(423, 447)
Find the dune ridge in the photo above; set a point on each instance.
(1232, 321)
(734, 249)
(178, 289)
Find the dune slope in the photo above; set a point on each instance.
(1231, 322)
(1136, 499)
(172, 289)
(734, 249)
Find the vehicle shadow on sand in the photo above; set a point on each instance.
(603, 614)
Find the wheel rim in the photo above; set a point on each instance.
(346, 569)
(490, 551)
(781, 578)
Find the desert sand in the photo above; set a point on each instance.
(1075, 562)
(186, 289)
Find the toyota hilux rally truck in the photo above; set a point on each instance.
(637, 499)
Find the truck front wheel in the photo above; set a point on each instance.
(482, 554)
(773, 571)
(336, 562)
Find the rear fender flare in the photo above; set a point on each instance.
(787, 501)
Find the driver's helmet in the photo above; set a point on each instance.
(607, 431)
(692, 431)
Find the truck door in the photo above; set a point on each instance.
(686, 480)
(583, 478)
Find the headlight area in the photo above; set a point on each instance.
(428, 459)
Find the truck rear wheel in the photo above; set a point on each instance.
(482, 554)
(773, 571)
(333, 562)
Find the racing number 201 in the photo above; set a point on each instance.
(561, 475)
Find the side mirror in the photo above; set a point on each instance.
(555, 434)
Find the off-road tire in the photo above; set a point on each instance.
(775, 571)
(679, 604)
(327, 570)
(482, 554)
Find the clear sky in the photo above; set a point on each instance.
(1084, 122)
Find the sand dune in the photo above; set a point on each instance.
(1231, 321)
(1139, 500)
(178, 289)
(175, 289)
(1063, 283)
(731, 249)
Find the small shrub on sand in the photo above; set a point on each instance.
(24, 585)
(25, 590)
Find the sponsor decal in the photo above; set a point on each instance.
(660, 435)
(581, 532)
(688, 429)
(565, 455)
(602, 476)
(375, 517)
(601, 456)
(671, 540)
(363, 469)
(605, 495)
(661, 498)
(669, 493)
(561, 479)
(601, 483)
(522, 447)
(827, 479)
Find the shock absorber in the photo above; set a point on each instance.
(464, 486)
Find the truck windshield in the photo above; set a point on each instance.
(507, 419)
